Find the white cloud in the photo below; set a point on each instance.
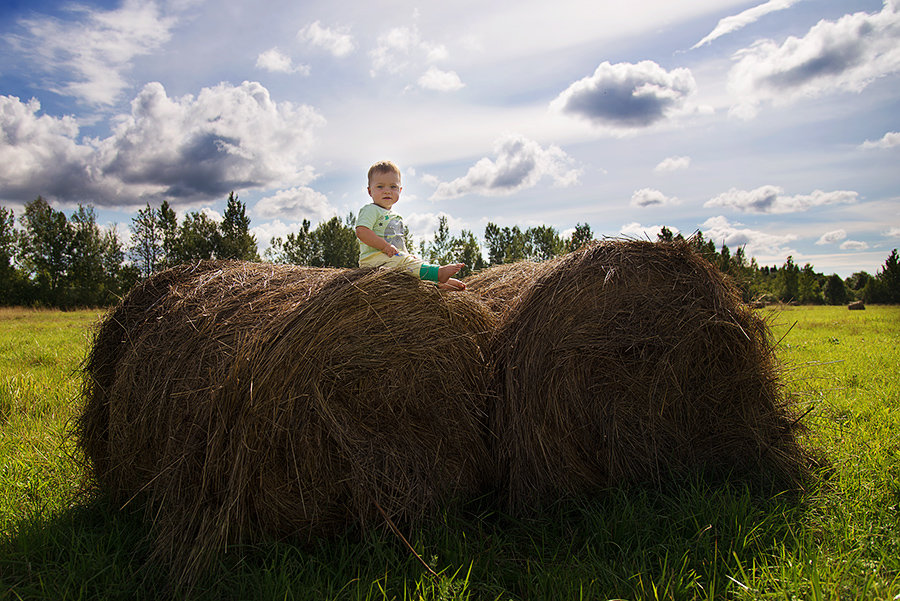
(276, 61)
(401, 47)
(642, 232)
(518, 163)
(720, 230)
(40, 154)
(772, 200)
(627, 94)
(440, 81)
(889, 140)
(337, 41)
(832, 237)
(184, 149)
(894, 232)
(296, 204)
(854, 245)
(751, 15)
(227, 137)
(89, 56)
(264, 232)
(649, 197)
(673, 164)
(843, 55)
(422, 226)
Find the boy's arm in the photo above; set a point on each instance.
(375, 241)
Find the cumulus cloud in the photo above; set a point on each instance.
(739, 21)
(648, 197)
(832, 237)
(627, 94)
(889, 140)
(854, 245)
(894, 232)
(720, 230)
(297, 203)
(440, 81)
(184, 149)
(40, 154)
(673, 164)
(772, 200)
(518, 163)
(226, 137)
(643, 232)
(88, 57)
(843, 55)
(337, 41)
(401, 47)
(276, 61)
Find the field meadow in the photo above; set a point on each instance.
(61, 539)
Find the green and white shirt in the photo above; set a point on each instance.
(383, 222)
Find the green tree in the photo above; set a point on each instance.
(440, 250)
(809, 291)
(87, 276)
(199, 238)
(835, 290)
(580, 237)
(788, 281)
(12, 282)
(543, 242)
(706, 248)
(146, 250)
(46, 249)
(167, 223)
(889, 275)
(505, 245)
(237, 242)
(857, 281)
(665, 235)
(297, 248)
(466, 249)
(336, 243)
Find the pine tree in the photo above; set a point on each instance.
(236, 241)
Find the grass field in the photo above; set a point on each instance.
(840, 540)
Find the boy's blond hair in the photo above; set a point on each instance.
(382, 167)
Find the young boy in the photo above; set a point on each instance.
(380, 232)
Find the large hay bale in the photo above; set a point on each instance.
(245, 400)
(501, 286)
(631, 361)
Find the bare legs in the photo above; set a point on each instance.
(446, 281)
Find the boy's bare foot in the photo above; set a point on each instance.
(452, 284)
(445, 272)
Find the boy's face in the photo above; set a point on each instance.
(384, 188)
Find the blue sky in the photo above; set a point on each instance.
(770, 125)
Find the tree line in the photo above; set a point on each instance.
(53, 260)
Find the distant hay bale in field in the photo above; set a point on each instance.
(244, 400)
(631, 361)
(856, 306)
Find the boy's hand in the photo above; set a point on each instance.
(390, 250)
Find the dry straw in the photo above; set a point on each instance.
(242, 400)
(631, 361)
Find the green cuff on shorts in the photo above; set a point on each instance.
(429, 273)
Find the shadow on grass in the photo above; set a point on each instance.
(694, 540)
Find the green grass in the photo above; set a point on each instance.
(693, 540)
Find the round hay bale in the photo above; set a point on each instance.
(501, 286)
(249, 400)
(629, 361)
(110, 337)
